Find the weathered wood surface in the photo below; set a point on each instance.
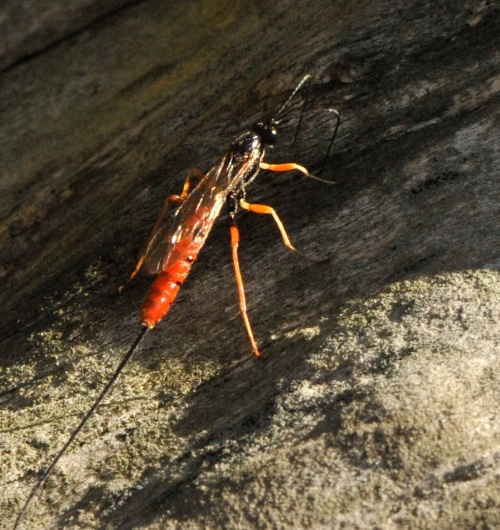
(377, 404)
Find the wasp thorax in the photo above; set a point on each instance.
(247, 143)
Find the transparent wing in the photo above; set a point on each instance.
(187, 231)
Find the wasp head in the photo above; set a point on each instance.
(266, 131)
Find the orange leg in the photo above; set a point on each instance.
(235, 240)
(290, 166)
(265, 209)
(177, 199)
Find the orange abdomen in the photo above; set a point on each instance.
(163, 292)
(180, 259)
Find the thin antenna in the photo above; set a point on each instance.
(308, 79)
(330, 145)
(335, 129)
(126, 358)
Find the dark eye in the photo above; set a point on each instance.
(267, 132)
